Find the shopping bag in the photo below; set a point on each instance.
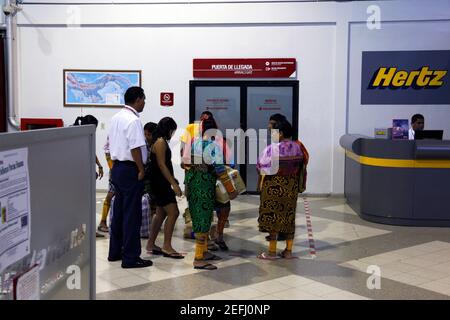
(146, 217)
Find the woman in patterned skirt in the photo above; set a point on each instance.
(279, 167)
(206, 165)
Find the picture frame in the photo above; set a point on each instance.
(98, 88)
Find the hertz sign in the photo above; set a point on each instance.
(391, 77)
(405, 77)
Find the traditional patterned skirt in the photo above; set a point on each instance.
(201, 196)
(278, 204)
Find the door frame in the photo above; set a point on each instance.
(243, 85)
(3, 85)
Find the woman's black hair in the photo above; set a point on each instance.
(277, 117)
(87, 119)
(164, 129)
(285, 127)
(150, 126)
(208, 124)
(208, 113)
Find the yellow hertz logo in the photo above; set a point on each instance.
(390, 77)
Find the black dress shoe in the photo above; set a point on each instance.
(138, 264)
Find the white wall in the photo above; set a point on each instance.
(162, 39)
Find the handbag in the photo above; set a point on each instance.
(236, 180)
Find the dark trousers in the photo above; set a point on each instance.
(126, 222)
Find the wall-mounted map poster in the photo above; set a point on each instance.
(93, 88)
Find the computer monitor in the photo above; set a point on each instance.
(428, 134)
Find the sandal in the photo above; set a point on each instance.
(173, 255)
(212, 257)
(207, 266)
(283, 254)
(266, 256)
(102, 228)
(156, 251)
(222, 245)
(212, 247)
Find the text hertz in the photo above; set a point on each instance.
(390, 77)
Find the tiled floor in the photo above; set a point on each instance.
(426, 266)
(414, 262)
(291, 287)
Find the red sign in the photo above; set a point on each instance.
(167, 99)
(39, 123)
(245, 68)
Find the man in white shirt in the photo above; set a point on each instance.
(417, 123)
(128, 149)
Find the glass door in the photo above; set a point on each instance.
(245, 105)
(262, 102)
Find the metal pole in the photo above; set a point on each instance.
(12, 117)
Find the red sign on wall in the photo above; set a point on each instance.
(39, 123)
(245, 68)
(166, 99)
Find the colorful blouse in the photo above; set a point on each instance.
(283, 158)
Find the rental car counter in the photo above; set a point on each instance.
(398, 182)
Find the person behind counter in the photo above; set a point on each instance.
(417, 123)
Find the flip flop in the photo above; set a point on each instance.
(173, 255)
(207, 266)
(213, 247)
(156, 251)
(282, 255)
(212, 257)
(265, 256)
